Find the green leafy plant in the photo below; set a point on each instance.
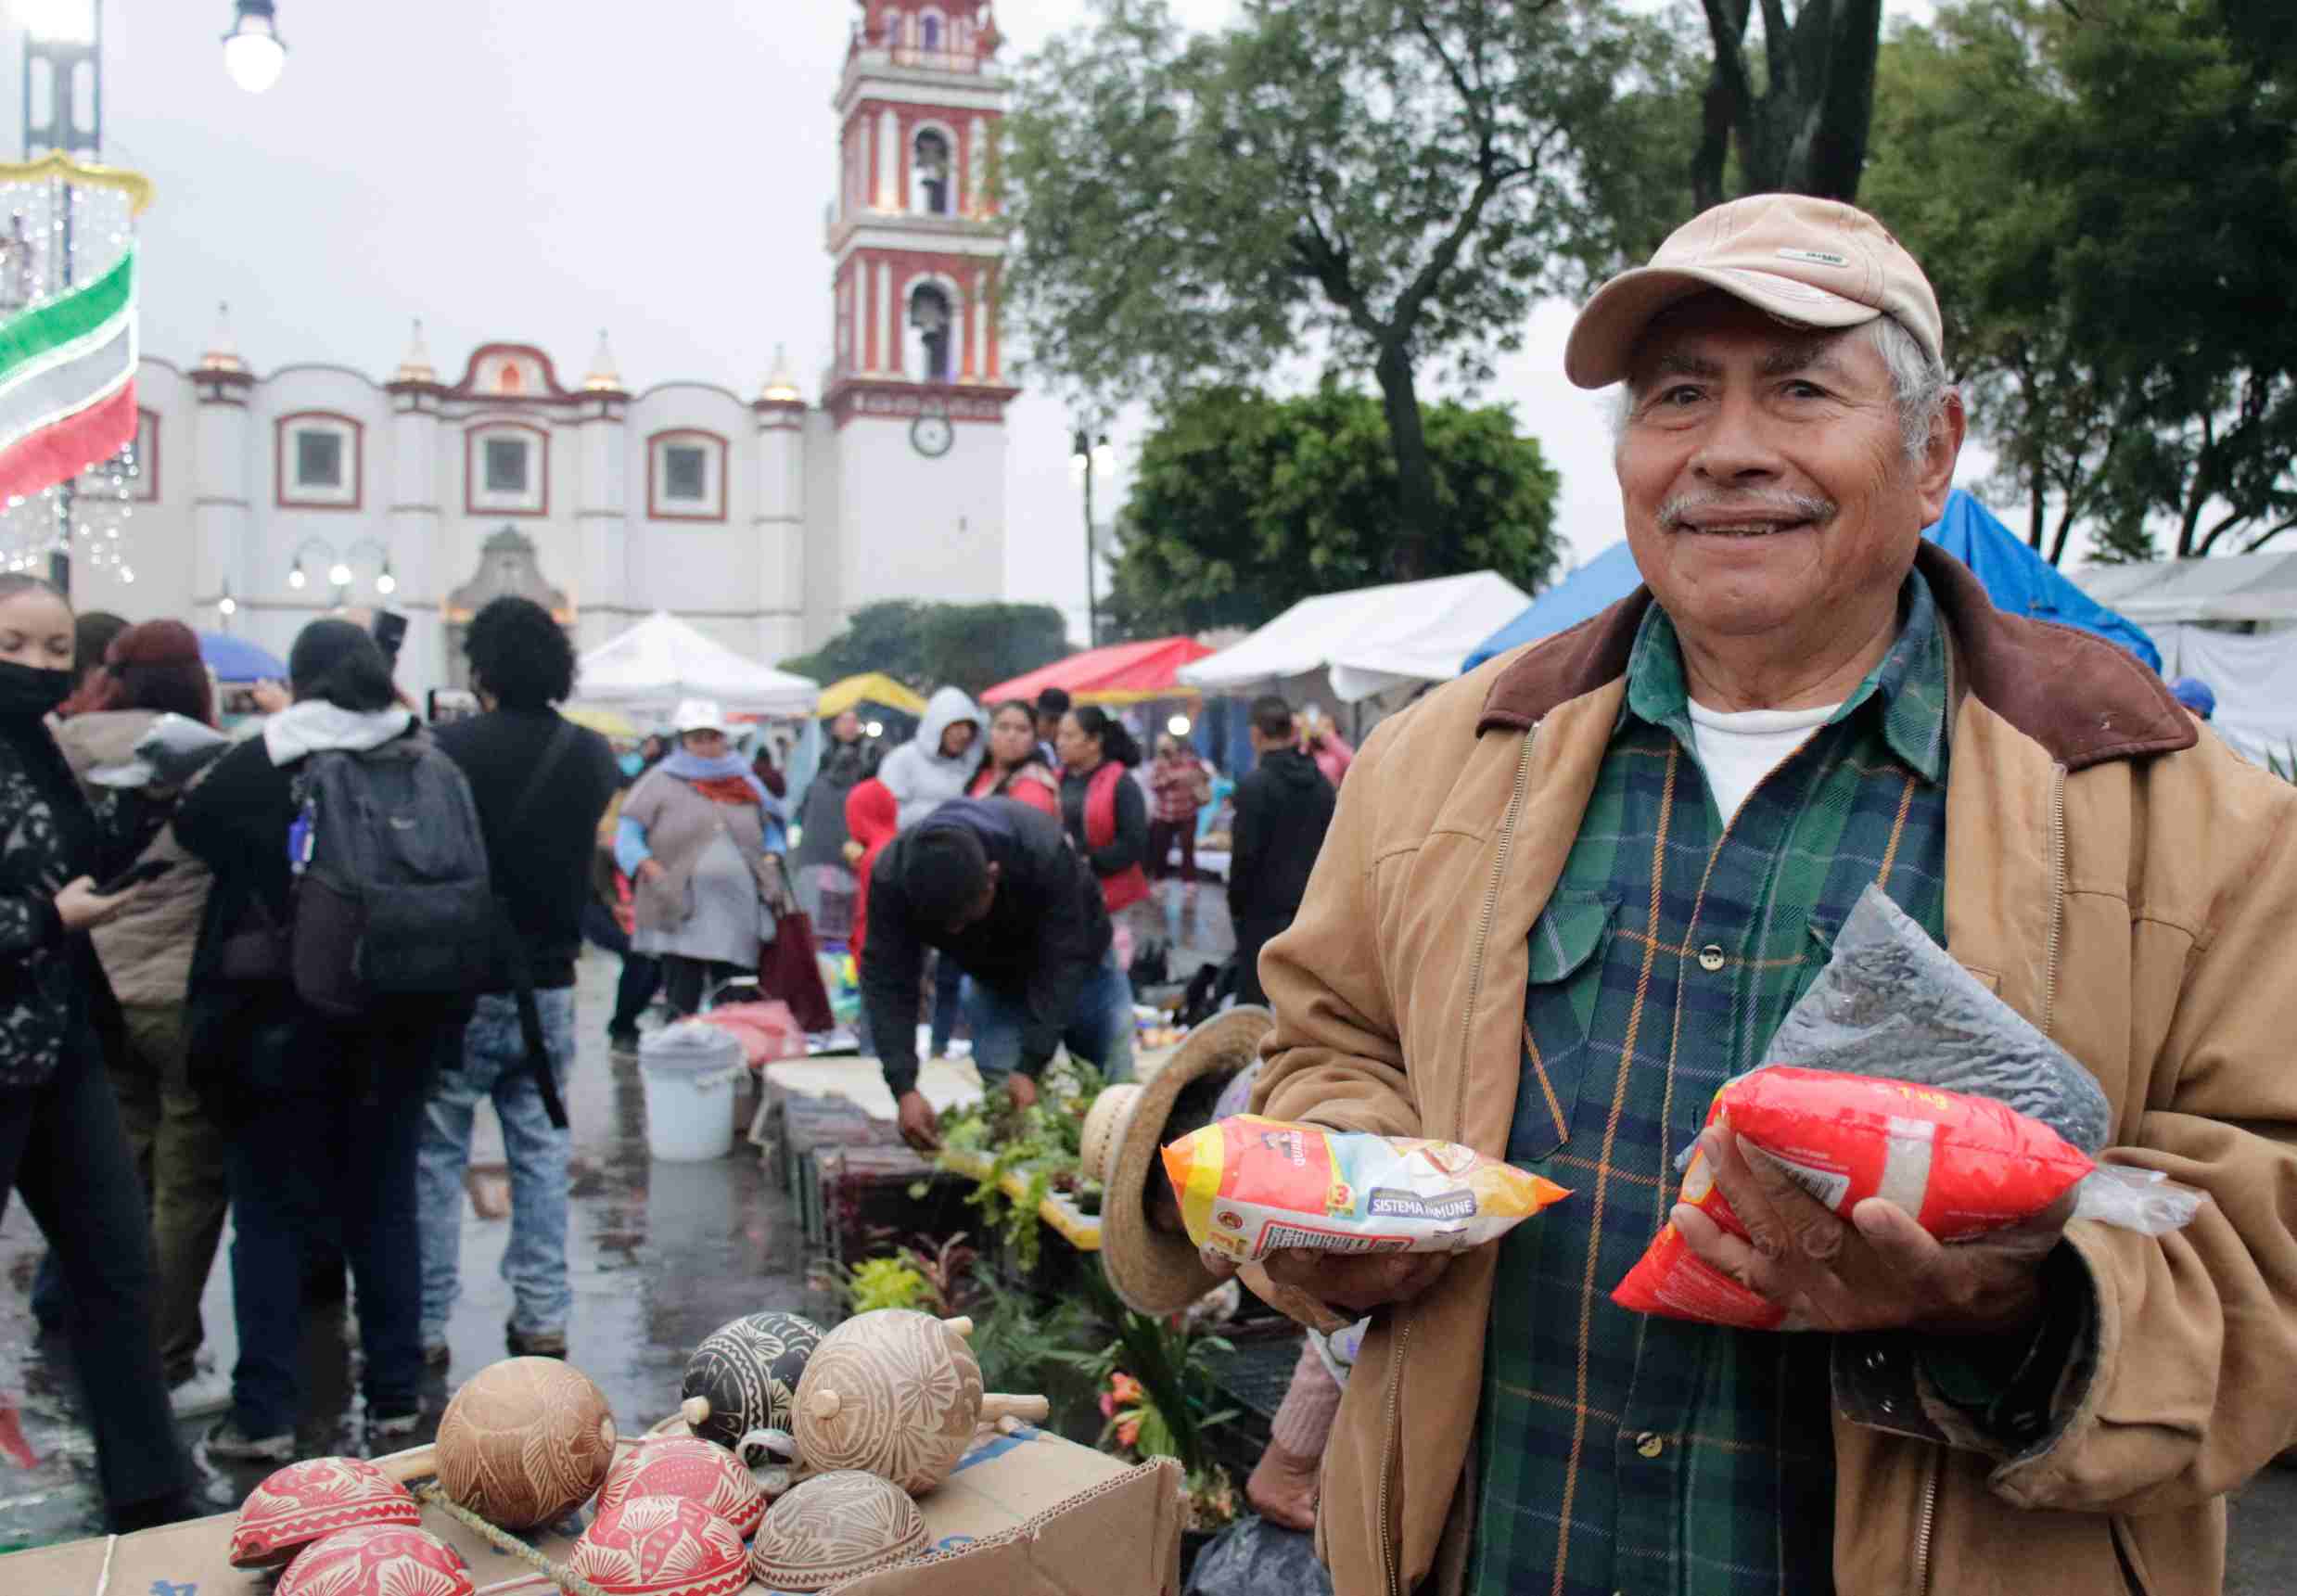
(1159, 1401)
(939, 1281)
(2283, 764)
(1042, 1144)
(878, 1283)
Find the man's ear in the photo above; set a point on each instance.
(995, 869)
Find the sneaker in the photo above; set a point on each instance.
(534, 1343)
(623, 1044)
(437, 1355)
(227, 1439)
(204, 1396)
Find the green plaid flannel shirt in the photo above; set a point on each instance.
(1619, 1452)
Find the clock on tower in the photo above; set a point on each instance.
(916, 388)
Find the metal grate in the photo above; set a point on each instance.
(1259, 1373)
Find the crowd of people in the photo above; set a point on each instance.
(168, 1060)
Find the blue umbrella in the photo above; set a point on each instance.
(236, 659)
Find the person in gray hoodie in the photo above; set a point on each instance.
(924, 773)
(934, 766)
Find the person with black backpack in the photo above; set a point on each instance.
(350, 924)
(542, 782)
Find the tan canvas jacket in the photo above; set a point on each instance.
(2127, 885)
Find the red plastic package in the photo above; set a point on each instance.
(1962, 1166)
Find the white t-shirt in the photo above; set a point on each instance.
(1740, 747)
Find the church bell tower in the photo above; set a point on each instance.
(916, 387)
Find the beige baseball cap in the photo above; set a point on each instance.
(1819, 262)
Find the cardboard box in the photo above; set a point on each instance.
(1028, 1515)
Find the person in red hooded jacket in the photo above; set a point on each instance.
(1103, 809)
(871, 818)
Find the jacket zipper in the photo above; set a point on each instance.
(1467, 1025)
(2057, 893)
(1924, 1530)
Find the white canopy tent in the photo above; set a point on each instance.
(2232, 622)
(1370, 642)
(662, 660)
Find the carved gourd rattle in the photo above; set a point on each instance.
(897, 1394)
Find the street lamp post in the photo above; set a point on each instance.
(63, 36)
(1087, 454)
(253, 54)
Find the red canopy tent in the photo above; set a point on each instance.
(1121, 673)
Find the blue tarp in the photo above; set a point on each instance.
(2021, 581)
(238, 661)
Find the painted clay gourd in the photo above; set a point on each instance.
(661, 1546)
(833, 1529)
(378, 1560)
(742, 1376)
(692, 1468)
(525, 1440)
(306, 1501)
(897, 1394)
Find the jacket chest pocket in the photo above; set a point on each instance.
(1562, 993)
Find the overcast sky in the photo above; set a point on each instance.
(535, 170)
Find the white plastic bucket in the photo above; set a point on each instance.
(689, 1114)
(689, 1072)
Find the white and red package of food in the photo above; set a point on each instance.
(1961, 1166)
(1248, 1186)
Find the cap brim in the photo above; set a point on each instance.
(1153, 1272)
(1603, 340)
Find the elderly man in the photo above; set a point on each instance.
(1566, 898)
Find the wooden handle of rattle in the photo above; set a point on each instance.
(695, 1411)
(1030, 1409)
(824, 1403)
(960, 1325)
(416, 1463)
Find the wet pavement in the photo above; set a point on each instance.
(661, 1256)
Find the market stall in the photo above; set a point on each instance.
(1122, 673)
(661, 662)
(1371, 649)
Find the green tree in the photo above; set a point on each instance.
(1243, 504)
(2119, 325)
(1804, 129)
(929, 645)
(1385, 183)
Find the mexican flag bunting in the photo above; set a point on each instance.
(68, 382)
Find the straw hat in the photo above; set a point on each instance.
(1153, 1273)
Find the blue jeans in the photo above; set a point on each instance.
(492, 1064)
(325, 1150)
(1098, 1030)
(947, 991)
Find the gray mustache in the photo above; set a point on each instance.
(1676, 511)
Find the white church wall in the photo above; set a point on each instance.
(698, 560)
(825, 571)
(918, 526)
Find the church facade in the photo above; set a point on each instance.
(265, 500)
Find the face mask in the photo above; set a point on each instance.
(632, 765)
(27, 690)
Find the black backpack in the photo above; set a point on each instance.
(391, 895)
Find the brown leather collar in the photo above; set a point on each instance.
(2083, 698)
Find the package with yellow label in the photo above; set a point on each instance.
(1249, 1185)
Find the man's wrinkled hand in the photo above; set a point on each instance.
(1877, 1271)
(1282, 1488)
(920, 1128)
(1337, 1281)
